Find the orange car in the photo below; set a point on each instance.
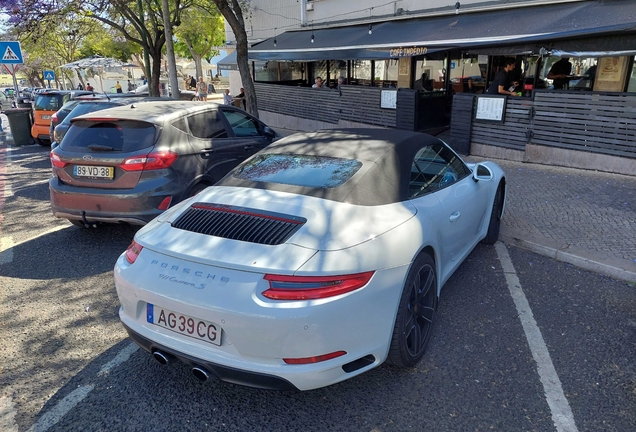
(46, 104)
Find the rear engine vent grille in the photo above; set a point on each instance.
(239, 223)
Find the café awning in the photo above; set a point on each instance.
(228, 62)
(495, 28)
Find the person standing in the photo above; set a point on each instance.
(202, 89)
(89, 87)
(239, 100)
(560, 72)
(131, 87)
(80, 86)
(193, 83)
(317, 83)
(118, 87)
(500, 84)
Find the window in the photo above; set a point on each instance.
(299, 170)
(435, 167)
(361, 72)
(207, 125)
(631, 84)
(123, 135)
(242, 125)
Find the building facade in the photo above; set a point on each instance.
(405, 66)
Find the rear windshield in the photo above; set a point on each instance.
(299, 170)
(48, 102)
(121, 136)
(87, 107)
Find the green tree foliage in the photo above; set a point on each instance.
(200, 31)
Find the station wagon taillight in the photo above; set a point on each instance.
(313, 287)
(56, 161)
(151, 161)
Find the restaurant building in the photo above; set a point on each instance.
(428, 69)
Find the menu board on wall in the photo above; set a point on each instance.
(490, 108)
(388, 99)
(610, 74)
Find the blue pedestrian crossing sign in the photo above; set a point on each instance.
(49, 75)
(10, 52)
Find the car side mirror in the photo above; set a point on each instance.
(268, 132)
(482, 172)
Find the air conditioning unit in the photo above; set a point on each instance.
(309, 6)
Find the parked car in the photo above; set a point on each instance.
(317, 259)
(61, 114)
(129, 164)
(183, 94)
(46, 103)
(59, 117)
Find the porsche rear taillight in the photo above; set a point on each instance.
(151, 161)
(56, 161)
(133, 252)
(313, 287)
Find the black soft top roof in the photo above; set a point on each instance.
(386, 156)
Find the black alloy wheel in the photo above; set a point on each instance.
(414, 321)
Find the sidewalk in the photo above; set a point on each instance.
(582, 217)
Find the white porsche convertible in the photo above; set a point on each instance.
(315, 260)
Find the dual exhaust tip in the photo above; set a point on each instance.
(164, 359)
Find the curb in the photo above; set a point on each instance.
(615, 268)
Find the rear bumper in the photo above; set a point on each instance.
(40, 131)
(136, 207)
(223, 373)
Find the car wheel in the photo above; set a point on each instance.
(495, 220)
(42, 142)
(414, 321)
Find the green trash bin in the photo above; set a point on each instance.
(20, 122)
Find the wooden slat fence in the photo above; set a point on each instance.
(595, 122)
(513, 133)
(353, 103)
(461, 122)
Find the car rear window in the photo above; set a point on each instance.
(47, 102)
(120, 136)
(299, 170)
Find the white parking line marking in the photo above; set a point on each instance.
(7, 246)
(561, 413)
(65, 405)
(123, 355)
(7, 415)
(6, 250)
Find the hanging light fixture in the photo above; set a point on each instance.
(370, 29)
(312, 38)
(274, 36)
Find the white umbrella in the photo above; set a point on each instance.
(204, 65)
(93, 61)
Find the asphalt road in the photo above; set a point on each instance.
(66, 363)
